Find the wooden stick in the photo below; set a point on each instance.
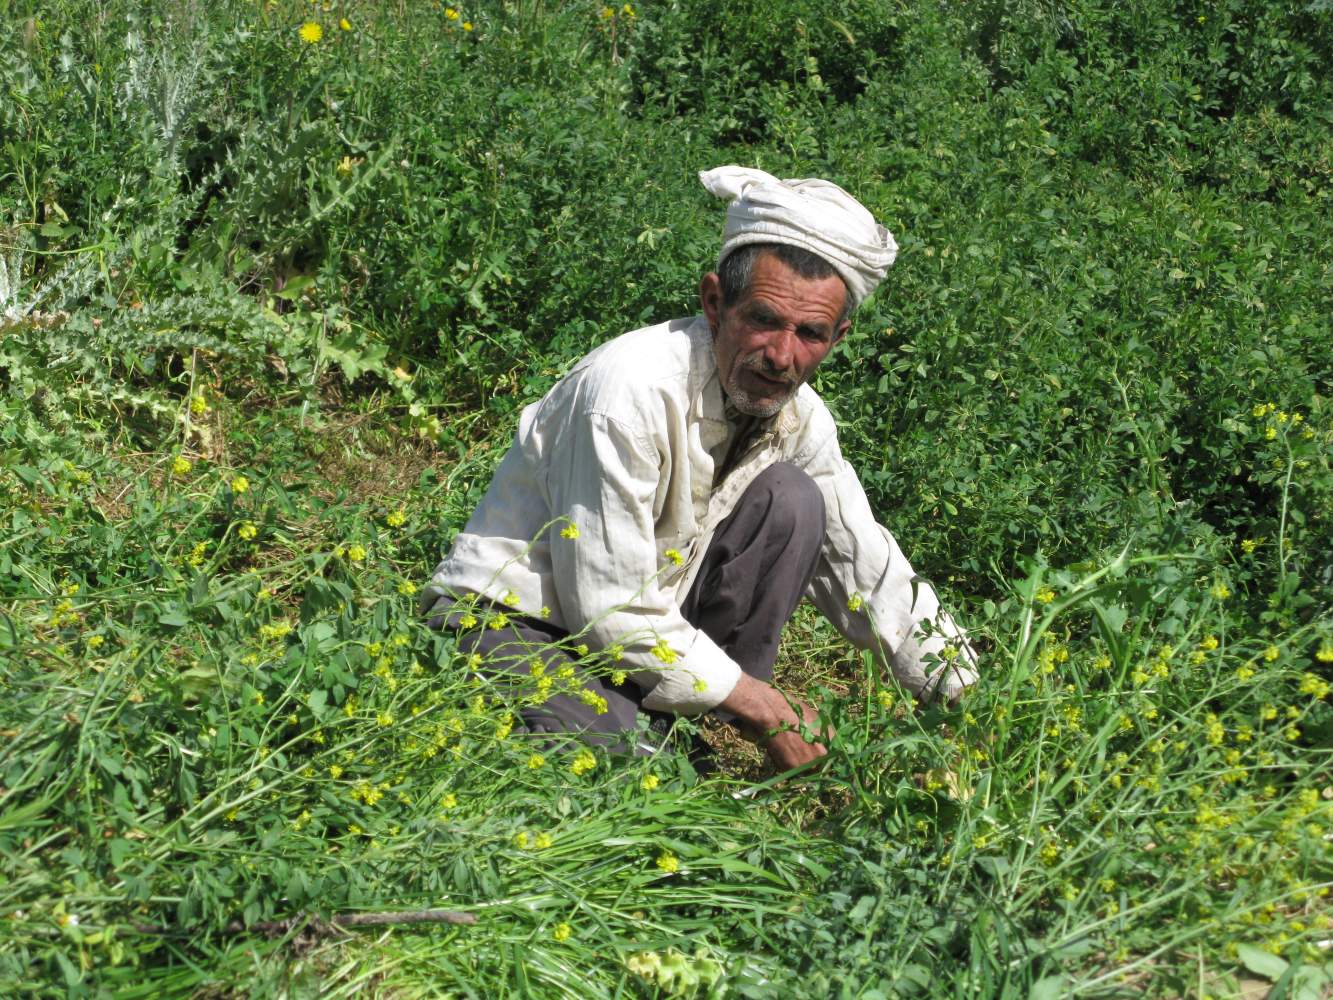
(274, 928)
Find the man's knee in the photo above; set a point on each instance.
(795, 504)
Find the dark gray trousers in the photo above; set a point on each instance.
(757, 567)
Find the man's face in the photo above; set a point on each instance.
(772, 338)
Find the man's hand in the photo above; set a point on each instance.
(764, 714)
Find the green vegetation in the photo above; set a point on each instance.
(271, 299)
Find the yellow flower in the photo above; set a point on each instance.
(583, 763)
(542, 841)
(467, 621)
(627, 10)
(1271, 654)
(562, 932)
(95, 641)
(536, 761)
(198, 405)
(608, 12)
(247, 530)
(1044, 596)
(1270, 433)
(581, 649)
(345, 24)
(180, 465)
(521, 840)
(1209, 643)
(335, 771)
(1248, 545)
(885, 699)
(356, 553)
(668, 862)
(510, 599)
(1325, 653)
(448, 801)
(618, 677)
(311, 32)
(854, 603)
(664, 652)
(498, 622)
(1312, 684)
(570, 531)
(649, 782)
(239, 484)
(467, 25)
(451, 14)
(407, 588)
(396, 520)
(674, 556)
(1220, 591)
(345, 165)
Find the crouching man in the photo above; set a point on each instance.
(667, 505)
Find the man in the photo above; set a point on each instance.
(666, 506)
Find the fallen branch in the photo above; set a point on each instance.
(309, 924)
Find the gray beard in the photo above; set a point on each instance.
(748, 405)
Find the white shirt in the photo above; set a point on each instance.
(623, 449)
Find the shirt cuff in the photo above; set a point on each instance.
(693, 692)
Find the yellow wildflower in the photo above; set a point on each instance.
(700, 685)
(1209, 643)
(542, 841)
(467, 25)
(1325, 653)
(668, 862)
(239, 484)
(521, 840)
(570, 531)
(675, 556)
(562, 932)
(1248, 545)
(536, 761)
(583, 763)
(180, 465)
(1271, 654)
(627, 10)
(854, 603)
(618, 677)
(649, 782)
(498, 622)
(664, 652)
(450, 14)
(396, 519)
(311, 32)
(356, 553)
(247, 530)
(344, 24)
(198, 405)
(510, 599)
(1220, 591)
(1044, 596)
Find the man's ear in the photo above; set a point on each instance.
(841, 332)
(710, 298)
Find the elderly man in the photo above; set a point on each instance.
(666, 506)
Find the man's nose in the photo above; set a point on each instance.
(779, 352)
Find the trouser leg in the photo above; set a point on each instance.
(758, 566)
(508, 654)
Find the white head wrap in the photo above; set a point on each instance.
(813, 214)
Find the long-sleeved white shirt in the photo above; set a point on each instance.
(624, 448)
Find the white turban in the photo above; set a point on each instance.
(813, 214)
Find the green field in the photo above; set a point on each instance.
(277, 278)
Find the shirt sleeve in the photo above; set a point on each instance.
(608, 575)
(866, 587)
